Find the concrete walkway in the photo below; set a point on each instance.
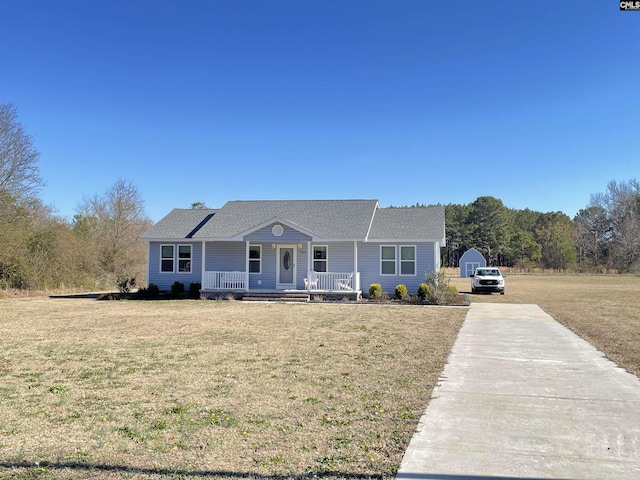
(522, 397)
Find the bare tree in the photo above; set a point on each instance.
(113, 223)
(592, 235)
(20, 179)
(621, 202)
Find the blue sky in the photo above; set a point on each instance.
(536, 103)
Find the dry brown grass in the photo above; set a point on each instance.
(602, 309)
(194, 389)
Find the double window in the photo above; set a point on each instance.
(320, 258)
(168, 258)
(390, 260)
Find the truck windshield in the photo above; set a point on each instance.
(488, 272)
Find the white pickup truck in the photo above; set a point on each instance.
(487, 279)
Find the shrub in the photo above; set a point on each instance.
(401, 291)
(125, 284)
(380, 298)
(152, 291)
(451, 295)
(177, 288)
(440, 291)
(375, 290)
(424, 292)
(194, 289)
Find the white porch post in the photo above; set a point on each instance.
(309, 258)
(246, 267)
(204, 263)
(356, 277)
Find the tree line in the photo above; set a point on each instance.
(100, 246)
(41, 251)
(603, 235)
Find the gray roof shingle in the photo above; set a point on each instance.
(179, 223)
(335, 219)
(323, 219)
(415, 223)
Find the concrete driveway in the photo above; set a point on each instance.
(522, 397)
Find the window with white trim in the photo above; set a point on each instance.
(166, 258)
(407, 260)
(320, 261)
(255, 258)
(184, 258)
(388, 260)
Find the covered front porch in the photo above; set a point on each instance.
(290, 265)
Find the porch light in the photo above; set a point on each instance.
(273, 246)
(299, 246)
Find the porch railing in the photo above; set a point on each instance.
(224, 281)
(332, 281)
(317, 281)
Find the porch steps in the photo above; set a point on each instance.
(276, 297)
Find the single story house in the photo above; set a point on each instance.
(319, 246)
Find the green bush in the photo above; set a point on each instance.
(424, 292)
(375, 290)
(177, 288)
(401, 291)
(152, 291)
(194, 289)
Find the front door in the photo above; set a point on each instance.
(286, 270)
